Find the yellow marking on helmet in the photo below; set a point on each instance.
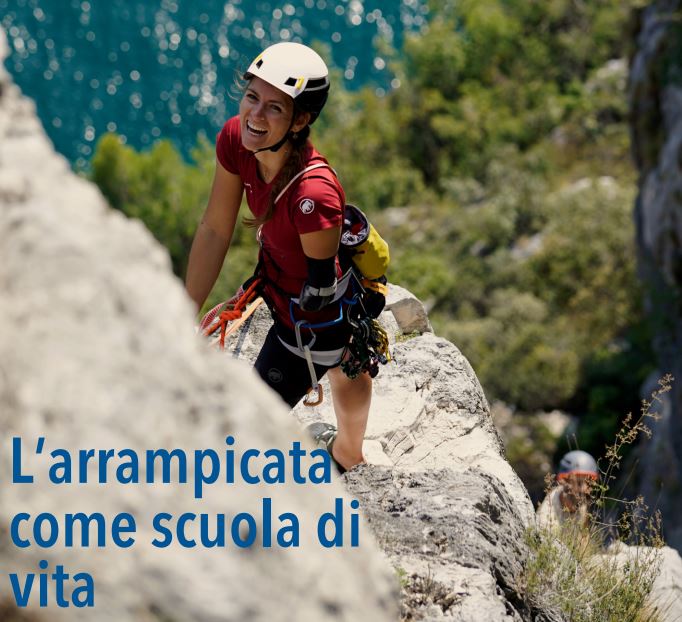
(299, 83)
(255, 60)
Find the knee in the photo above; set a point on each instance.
(364, 382)
(342, 385)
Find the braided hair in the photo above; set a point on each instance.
(293, 164)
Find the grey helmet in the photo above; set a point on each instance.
(578, 462)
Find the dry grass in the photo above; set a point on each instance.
(572, 572)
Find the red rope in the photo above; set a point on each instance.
(234, 311)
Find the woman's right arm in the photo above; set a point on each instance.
(213, 235)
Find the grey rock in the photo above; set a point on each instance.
(408, 310)
(456, 538)
(665, 598)
(428, 411)
(656, 103)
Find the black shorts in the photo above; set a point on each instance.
(283, 367)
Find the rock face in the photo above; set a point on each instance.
(456, 539)
(444, 504)
(656, 102)
(428, 409)
(97, 350)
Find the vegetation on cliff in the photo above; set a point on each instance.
(601, 564)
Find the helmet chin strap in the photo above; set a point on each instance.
(277, 146)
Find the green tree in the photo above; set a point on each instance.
(157, 187)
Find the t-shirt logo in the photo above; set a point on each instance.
(274, 375)
(307, 206)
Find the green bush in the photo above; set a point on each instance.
(157, 187)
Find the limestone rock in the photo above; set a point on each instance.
(445, 505)
(408, 310)
(456, 539)
(665, 595)
(429, 412)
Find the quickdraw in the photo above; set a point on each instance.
(367, 349)
(315, 388)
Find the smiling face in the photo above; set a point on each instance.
(265, 115)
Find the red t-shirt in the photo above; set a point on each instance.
(313, 202)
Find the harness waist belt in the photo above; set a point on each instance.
(320, 357)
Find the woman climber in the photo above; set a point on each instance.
(299, 221)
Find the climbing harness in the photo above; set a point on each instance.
(315, 394)
(367, 349)
(364, 256)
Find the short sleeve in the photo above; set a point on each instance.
(227, 145)
(317, 203)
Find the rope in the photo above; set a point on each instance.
(235, 312)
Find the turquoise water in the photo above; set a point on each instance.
(164, 69)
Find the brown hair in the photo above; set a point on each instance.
(292, 165)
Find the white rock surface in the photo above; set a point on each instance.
(428, 409)
(429, 412)
(408, 310)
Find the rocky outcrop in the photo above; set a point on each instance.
(455, 538)
(656, 103)
(443, 502)
(97, 350)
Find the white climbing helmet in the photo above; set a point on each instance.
(296, 70)
(578, 462)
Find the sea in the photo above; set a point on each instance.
(166, 69)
